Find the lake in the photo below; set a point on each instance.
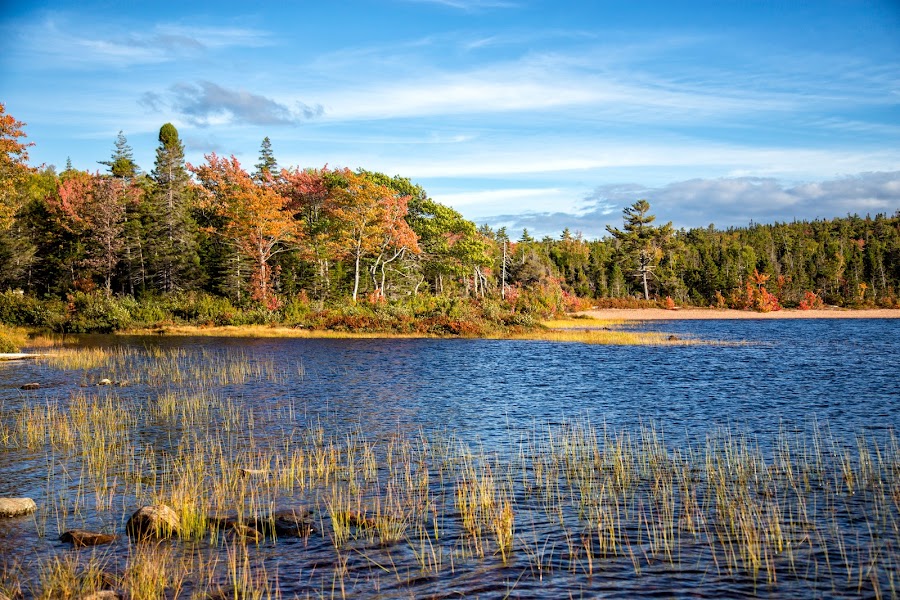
(763, 466)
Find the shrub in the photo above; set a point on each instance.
(811, 301)
(93, 312)
(10, 340)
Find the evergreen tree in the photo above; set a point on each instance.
(267, 166)
(641, 241)
(171, 233)
(121, 164)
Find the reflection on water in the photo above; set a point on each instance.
(491, 397)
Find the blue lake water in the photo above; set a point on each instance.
(770, 377)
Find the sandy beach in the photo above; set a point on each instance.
(660, 314)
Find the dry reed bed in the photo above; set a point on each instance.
(572, 501)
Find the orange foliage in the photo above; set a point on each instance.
(811, 301)
(257, 219)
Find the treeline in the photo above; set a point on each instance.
(278, 243)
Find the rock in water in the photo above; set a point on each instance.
(244, 533)
(14, 507)
(81, 538)
(31, 386)
(291, 523)
(104, 595)
(156, 521)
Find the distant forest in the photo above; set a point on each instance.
(271, 239)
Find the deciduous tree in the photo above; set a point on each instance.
(14, 169)
(256, 219)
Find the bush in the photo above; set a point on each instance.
(10, 340)
(93, 312)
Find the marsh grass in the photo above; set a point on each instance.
(573, 499)
(565, 330)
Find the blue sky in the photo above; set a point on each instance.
(523, 113)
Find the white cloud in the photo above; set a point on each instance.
(69, 39)
(724, 201)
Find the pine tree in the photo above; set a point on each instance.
(121, 164)
(267, 165)
(170, 231)
(641, 241)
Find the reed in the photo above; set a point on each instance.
(572, 499)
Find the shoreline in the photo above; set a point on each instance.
(688, 314)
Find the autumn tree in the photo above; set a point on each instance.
(91, 208)
(255, 220)
(14, 169)
(642, 243)
(369, 223)
(307, 191)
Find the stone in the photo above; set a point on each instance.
(253, 472)
(244, 532)
(290, 523)
(15, 507)
(81, 538)
(31, 386)
(105, 382)
(103, 595)
(359, 519)
(153, 521)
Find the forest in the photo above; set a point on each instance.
(221, 243)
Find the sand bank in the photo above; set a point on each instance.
(659, 314)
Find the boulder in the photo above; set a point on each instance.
(81, 538)
(154, 521)
(31, 386)
(14, 507)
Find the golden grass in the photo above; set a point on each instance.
(569, 330)
(268, 331)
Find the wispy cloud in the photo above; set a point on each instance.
(206, 103)
(468, 5)
(70, 40)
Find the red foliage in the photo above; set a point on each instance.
(811, 301)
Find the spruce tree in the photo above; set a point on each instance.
(121, 164)
(267, 165)
(170, 230)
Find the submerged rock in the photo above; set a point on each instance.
(154, 521)
(81, 538)
(290, 523)
(15, 507)
(244, 533)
